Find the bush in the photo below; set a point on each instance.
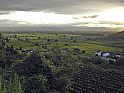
(97, 60)
(120, 61)
(31, 66)
(35, 84)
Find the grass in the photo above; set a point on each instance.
(89, 46)
(92, 48)
(16, 43)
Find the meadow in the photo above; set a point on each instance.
(64, 41)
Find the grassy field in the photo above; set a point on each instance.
(89, 46)
(16, 43)
(92, 48)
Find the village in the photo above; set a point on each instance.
(109, 56)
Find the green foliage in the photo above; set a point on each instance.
(11, 86)
(63, 64)
(14, 85)
(2, 86)
(36, 84)
(97, 60)
(1, 54)
(120, 61)
(17, 44)
(97, 80)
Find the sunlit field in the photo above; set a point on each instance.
(62, 39)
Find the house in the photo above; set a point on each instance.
(98, 53)
(109, 56)
(102, 54)
(118, 56)
(106, 54)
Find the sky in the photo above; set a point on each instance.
(82, 15)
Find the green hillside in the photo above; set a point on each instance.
(115, 39)
(119, 35)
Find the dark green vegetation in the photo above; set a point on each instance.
(97, 80)
(115, 39)
(59, 63)
(116, 36)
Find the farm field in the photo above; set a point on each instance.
(63, 41)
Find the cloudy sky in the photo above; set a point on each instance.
(62, 14)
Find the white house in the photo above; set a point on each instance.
(106, 54)
(98, 53)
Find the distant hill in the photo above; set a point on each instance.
(115, 36)
(115, 39)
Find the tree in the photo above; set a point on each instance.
(0, 35)
(2, 86)
(56, 40)
(48, 40)
(7, 40)
(20, 48)
(36, 84)
(15, 36)
(120, 61)
(83, 51)
(15, 85)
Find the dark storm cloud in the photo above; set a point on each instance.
(61, 6)
(36, 4)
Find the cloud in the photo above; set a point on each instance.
(91, 16)
(4, 12)
(60, 6)
(9, 23)
(109, 22)
(86, 11)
